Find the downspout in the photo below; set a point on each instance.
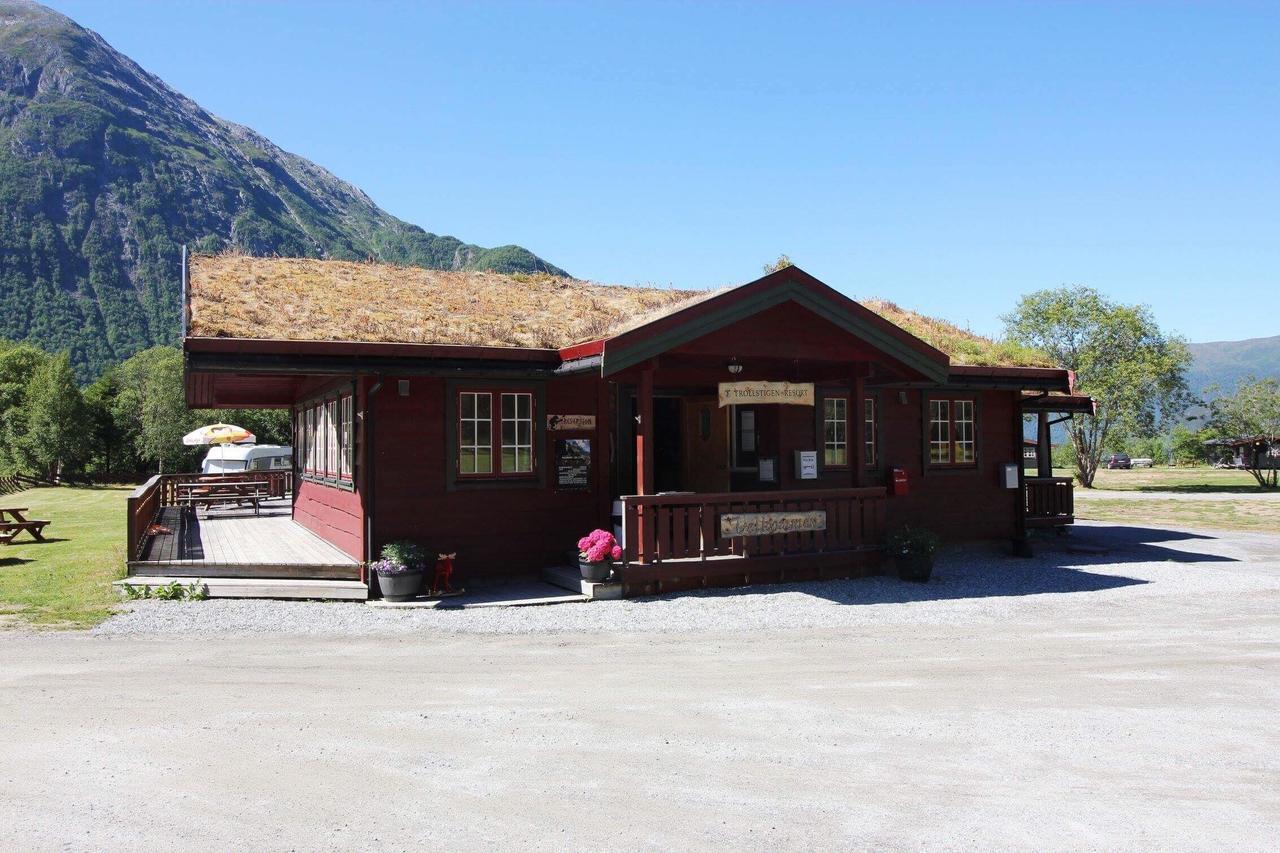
(369, 475)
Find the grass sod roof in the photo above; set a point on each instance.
(238, 296)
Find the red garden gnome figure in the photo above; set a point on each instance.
(444, 571)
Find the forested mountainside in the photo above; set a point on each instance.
(1225, 363)
(106, 171)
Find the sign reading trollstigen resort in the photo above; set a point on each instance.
(748, 393)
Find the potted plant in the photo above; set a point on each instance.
(912, 551)
(399, 570)
(596, 551)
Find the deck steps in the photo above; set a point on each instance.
(570, 578)
(293, 588)
(271, 571)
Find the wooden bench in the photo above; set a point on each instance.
(13, 520)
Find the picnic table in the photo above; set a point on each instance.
(13, 520)
(209, 492)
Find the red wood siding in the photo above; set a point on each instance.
(331, 513)
(497, 529)
(960, 503)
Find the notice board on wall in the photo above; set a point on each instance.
(573, 464)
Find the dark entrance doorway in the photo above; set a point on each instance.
(667, 445)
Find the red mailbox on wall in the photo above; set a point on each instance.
(897, 481)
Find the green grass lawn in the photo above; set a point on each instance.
(1162, 479)
(1260, 516)
(65, 582)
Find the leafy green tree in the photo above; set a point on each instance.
(57, 421)
(1187, 445)
(150, 406)
(1252, 411)
(18, 363)
(1135, 372)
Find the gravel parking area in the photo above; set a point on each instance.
(971, 584)
(1119, 701)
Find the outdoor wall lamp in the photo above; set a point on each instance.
(734, 367)
(902, 397)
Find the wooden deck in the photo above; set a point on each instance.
(233, 542)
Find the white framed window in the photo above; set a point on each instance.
(964, 429)
(940, 432)
(331, 438)
(835, 431)
(475, 433)
(517, 433)
(346, 415)
(953, 432)
(869, 432)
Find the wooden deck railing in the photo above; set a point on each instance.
(162, 490)
(680, 536)
(143, 506)
(681, 526)
(1049, 501)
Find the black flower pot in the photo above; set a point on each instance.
(594, 572)
(915, 567)
(400, 586)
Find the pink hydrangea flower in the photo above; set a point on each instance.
(599, 545)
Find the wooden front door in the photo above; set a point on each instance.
(706, 446)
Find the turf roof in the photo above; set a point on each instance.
(313, 300)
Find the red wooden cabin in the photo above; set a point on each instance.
(411, 424)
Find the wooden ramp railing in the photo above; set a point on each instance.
(678, 540)
(1049, 501)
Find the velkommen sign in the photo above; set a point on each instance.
(748, 393)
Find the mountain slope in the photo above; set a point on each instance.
(1226, 362)
(105, 171)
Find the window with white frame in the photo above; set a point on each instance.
(869, 431)
(331, 438)
(835, 431)
(952, 432)
(939, 432)
(965, 446)
(517, 433)
(347, 435)
(475, 433)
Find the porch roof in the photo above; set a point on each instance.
(684, 324)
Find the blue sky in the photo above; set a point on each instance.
(948, 158)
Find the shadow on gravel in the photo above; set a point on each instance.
(976, 572)
(1127, 544)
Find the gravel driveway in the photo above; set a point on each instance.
(1072, 702)
(977, 584)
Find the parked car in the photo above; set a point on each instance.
(1119, 460)
(1141, 462)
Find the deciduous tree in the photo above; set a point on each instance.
(1135, 372)
(1252, 412)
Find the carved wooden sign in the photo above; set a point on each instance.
(769, 523)
(565, 423)
(756, 393)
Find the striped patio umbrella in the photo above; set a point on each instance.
(218, 434)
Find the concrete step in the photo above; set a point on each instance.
(296, 588)
(571, 578)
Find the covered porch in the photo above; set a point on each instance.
(745, 437)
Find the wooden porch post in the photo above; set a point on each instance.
(644, 433)
(1044, 448)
